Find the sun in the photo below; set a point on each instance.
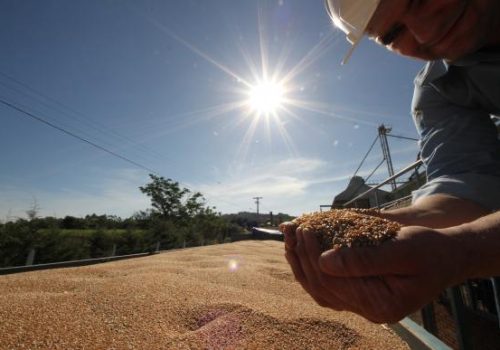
(266, 97)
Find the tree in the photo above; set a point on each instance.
(72, 223)
(32, 212)
(170, 201)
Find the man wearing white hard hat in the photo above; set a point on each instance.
(452, 230)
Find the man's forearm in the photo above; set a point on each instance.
(437, 211)
(481, 242)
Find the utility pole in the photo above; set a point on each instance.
(382, 132)
(257, 201)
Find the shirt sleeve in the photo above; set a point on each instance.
(455, 140)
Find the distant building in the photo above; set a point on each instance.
(356, 187)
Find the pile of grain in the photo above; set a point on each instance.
(231, 296)
(348, 228)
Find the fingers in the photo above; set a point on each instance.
(367, 296)
(311, 251)
(342, 291)
(305, 257)
(308, 252)
(296, 266)
(288, 230)
(294, 263)
(374, 282)
(388, 258)
(303, 254)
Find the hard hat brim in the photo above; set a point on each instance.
(355, 32)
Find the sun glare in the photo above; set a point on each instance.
(266, 97)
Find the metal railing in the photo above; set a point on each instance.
(417, 337)
(385, 182)
(70, 263)
(29, 266)
(495, 282)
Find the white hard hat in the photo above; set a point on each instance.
(352, 17)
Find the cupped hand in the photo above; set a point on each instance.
(383, 283)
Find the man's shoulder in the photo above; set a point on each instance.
(472, 81)
(488, 58)
(431, 71)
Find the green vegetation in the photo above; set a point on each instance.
(178, 218)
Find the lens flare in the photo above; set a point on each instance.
(233, 265)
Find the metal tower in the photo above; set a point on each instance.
(382, 132)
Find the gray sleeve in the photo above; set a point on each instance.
(454, 140)
(481, 189)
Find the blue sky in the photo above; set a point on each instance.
(164, 83)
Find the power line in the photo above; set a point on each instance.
(60, 107)
(402, 137)
(67, 132)
(374, 170)
(56, 106)
(371, 174)
(366, 155)
(93, 144)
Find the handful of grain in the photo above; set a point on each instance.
(346, 228)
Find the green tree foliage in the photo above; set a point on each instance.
(71, 223)
(178, 218)
(131, 241)
(62, 245)
(14, 243)
(170, 201)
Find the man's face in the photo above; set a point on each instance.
(434, 29)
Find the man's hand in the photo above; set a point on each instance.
(384, 283)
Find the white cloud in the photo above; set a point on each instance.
(283, 184)
(293, 185)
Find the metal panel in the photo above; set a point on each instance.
(417, 337)
(464, 335)
(72, 263)
(495, 281)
